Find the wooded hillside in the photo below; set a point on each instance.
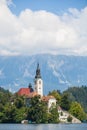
(78, 94)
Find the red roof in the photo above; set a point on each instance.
(47, 98)
(24, 91)
(32, 94)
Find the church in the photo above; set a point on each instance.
(37, 90)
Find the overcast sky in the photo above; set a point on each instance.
(43, 26)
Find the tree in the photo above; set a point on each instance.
(78, 94)
(65, 102)
(8, 114)
(1, 107)
(37, 112)
(20, 114)
(1, 117)
(77, 111)
(19, 102)
(4, 96)
(53, 115)
(69, 118)
(56, 95)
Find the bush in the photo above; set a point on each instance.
(69, 118)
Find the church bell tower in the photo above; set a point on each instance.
(38, 82)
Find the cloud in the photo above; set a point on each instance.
(42, 32)
(8, 53)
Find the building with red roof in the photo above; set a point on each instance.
(50, 100)
(24, 91)
(38, 90)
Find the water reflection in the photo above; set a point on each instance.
(43, 126)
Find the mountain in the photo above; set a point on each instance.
(57, 71)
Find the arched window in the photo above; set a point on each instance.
(39, 82)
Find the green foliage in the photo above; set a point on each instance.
(13, 109)
(20, 114)
(65, 103)
(8, 113)
(77, 111)
(4, 91)
(53, 115)
(1, 107)
(4, 96)
(19, 102)
(1, 116)
(56, 94)
(69, 119)
(37, 111)
(78, 94)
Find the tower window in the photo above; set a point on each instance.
(39, 82)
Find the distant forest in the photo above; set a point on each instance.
(78, 94)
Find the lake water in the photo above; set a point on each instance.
(43, 126)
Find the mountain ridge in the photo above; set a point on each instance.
(58, 71)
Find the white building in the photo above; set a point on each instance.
(63, 116)
(51, 101)
(38, 82)
(39, 89)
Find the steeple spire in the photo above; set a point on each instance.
(38, 82)
(38, 75)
